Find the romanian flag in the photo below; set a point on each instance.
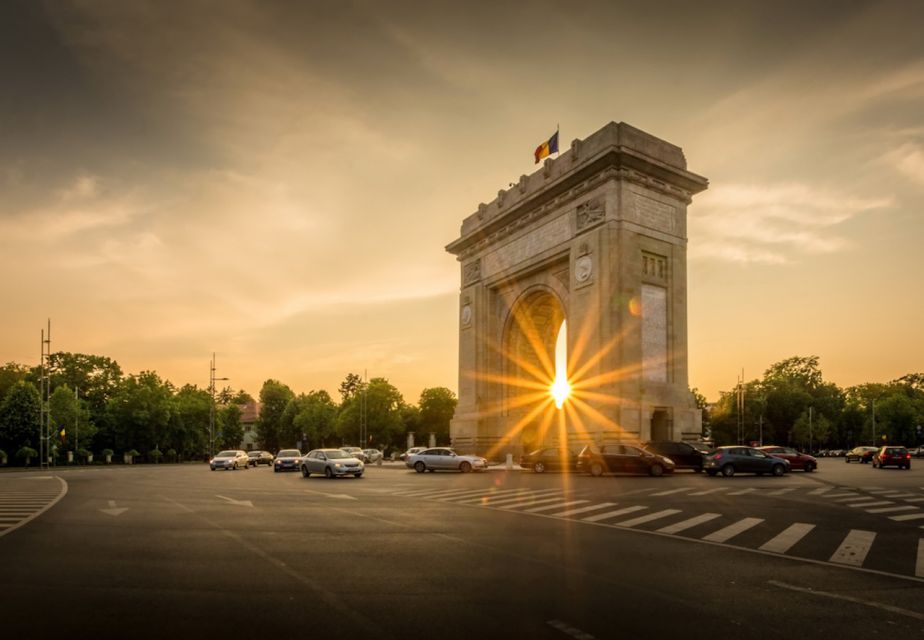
(548, 147)
(62, 435)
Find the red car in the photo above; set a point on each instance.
(892, 456)
(796, 459)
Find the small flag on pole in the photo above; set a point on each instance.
(62, 435)
(548, 147)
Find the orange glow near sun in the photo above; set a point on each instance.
(560, 388)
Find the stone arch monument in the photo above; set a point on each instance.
(597, 238)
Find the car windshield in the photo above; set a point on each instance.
(254, 454)
(289, 453)
(226, 454)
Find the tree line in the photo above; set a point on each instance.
(95, 409)
(793, 405)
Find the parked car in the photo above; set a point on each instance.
(444, 459)
(373, 455)
(733, 459)
(622, 458)
(861, 454)
(260, 457)
(892, 457)
(333, 463)
(550, 459)
(356, 452)
(231, 459)
(684, 455)
(411, 452)
(287, 460)
(797, 460)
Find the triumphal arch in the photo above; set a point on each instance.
(592, 248)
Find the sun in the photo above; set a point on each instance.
(560, 388)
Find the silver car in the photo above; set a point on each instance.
(332, 463)
(231, 459)
(356, 452)
(444, 459)
(372, 455)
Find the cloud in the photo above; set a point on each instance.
(773, 224)
(908, 159)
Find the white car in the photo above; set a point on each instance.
(373, 455)
(444, 459)
(356, 452)
(231, 459)
(332, 463)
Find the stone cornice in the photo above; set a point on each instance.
(530, 201)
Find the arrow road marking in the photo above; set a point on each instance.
(113, 510)
(240, 503)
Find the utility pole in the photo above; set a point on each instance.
(810, 431)
(44, 394)
(77, 423)
(873, 405)
(740, 405)
(212, 380)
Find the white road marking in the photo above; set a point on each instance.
(53, 499)
(856, 499)
(708, 491)
(689, 523)
(914, 500)
(527, 499)
(593, 507)
(567, 629)
(729, 532)
(785, 540)
(842, 495)
(670, 491)
(742, 492)
(898, 494)
(854, 548)
(837, 596)
(497, 496)
(780, 492)
(240, 503)
(908, 507)
(819, 491)
(529, 503)
(870, 503)
(113, 510)
(907, 517)
(550, 507)
(612, 514)
(646, 518)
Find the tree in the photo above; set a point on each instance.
(383, 404)
(96, 378)
(188, 431)
(350, 386)
(437, 406)
(274, 396)
(311, 419)
(139, 413)
(19, 416)
(231, 429)
(10, 374)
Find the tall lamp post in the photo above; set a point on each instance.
(212, 381)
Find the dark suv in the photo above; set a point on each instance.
(683, 454)
(892, 456)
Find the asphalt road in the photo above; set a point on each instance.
(161, 551)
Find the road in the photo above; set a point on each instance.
(154, 551)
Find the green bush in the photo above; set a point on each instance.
(26, 453)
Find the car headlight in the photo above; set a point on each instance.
(337, 465)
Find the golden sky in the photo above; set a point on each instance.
(276, 181)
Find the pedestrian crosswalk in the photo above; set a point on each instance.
(639, 510)
(24, 499)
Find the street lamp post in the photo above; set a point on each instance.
(212, 381)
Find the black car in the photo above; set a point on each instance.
(551, 459)
(287, 460)
(735, 459)
(622, 458)
(683, 454)
(260, 457)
